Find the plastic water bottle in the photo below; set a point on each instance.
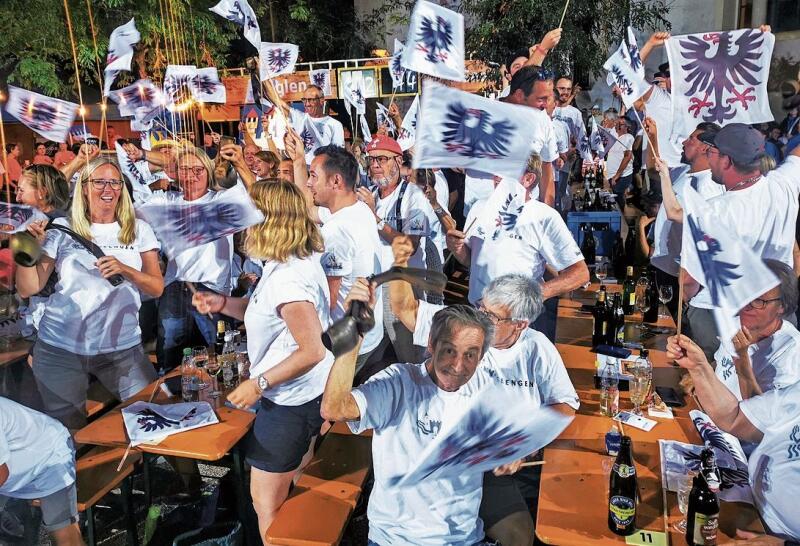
(609, 389)
(189, 379)
(228, 361)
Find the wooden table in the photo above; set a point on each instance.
(573, 492)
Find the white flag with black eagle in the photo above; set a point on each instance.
(462, 130)
(366, 134)
(627, 74)
(407, 135)
(276, 59)
(719, 77)
(48, 117)
(322, 79)
(120, 52)
(382, 118)
(15, 218)
(596, 139)
(354, 94)
(146, 422)
(207, 87)
(396, 69)
(435, 42)
(715, 257)
(140, 94)
(240, 12)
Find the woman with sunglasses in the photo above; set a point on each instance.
(91, 326)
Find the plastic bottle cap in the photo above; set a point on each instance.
(187, 352)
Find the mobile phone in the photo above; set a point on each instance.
(671, 397)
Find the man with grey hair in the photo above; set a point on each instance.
(406, 406)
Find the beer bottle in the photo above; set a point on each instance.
(651, 315)
(702, 515)
(219, 343)
(622, 492)
(619, 322)
(629, 292)
(589, 245)
(600, 315)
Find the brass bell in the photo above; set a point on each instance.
(25, 249)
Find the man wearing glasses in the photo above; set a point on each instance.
(567, 114)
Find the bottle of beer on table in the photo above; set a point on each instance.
(600, 315)
(219, 344)
(619, 322)
(589, 245)
(702, 515)
(622, 492)
(651, 315)
(629, 292)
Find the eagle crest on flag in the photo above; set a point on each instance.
(238, 16)
(472, 132)
(397, 68)
(320, 80)
(436, 37)
(308, 139)
(621, 81)
(718, 274)
(39, 115)
(278, 59)
(733, 68)
(149, 421)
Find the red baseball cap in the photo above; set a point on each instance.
(385, 143)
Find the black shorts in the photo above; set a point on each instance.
(281, 435)
(501, 498)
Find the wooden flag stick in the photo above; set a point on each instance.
(466, 231)
(563, 14)
(124, 456)
(680, 301)
(193, 290)
(533, 463)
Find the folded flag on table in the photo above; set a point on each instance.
(488, 433)
(407, 135)
(240, 12)
(120, 52)
(276, 59)
(435, 42)
(629, 80)
(51, 118)
(15, 218)
(180, 225)
(719, 77)
(322, 79)
(151, 423)
(462, 130)
(731, 460)
(715, 257)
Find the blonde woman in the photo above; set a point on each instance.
(285, 317)
(45, 188)
(91, 326)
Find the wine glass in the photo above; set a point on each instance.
(643, 299)
(639, 384)
(664, 296)
(213, 369)
(200, 357)
(684, 488)
(601, 270)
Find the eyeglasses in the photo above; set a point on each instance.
(197, 171)
(382, 159)
(760, 303)
(494, 319)
(538, 74)
(313, 99)
(100, 184)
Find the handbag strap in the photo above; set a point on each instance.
(86, 243)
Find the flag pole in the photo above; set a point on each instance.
(641, 124)
(680, 301)
(563, 14)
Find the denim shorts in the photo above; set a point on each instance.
(281, 435)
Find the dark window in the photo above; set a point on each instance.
(783, 15)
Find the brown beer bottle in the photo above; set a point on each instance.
(622, 492)
(702, 516)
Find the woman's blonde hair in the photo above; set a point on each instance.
(80, 217)
(52, 181)
(288, 229)
(183, 151)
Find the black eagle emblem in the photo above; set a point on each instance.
(205, 85)
(624, 84)
(732, 68)
(719, 274)
(39, 115)
(472, 132)
(436, 37)
(321, 80)
(278, 59)
(149, 421)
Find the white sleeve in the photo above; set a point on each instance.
(378, 400)
(294, 286)
(787, 174)
(555, 386)
(338, 133)
(52, 240)
(5, 451)
(422, 329)
(337, 260)
(324, 214)
(558, 246)
(763, 410)
(147, 239)
(549, 150)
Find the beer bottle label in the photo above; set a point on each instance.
(623, 510)
(705, 529)
(624, 470)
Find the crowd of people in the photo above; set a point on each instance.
(347, 210)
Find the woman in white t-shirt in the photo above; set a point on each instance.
(91, 326)
(285, 318)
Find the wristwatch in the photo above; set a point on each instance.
(263, 383)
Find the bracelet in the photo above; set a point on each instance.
(541, 50)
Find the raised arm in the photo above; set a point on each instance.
(401, 295)
(670, 200)
(86, 153)
(657, 39)
(538, 52)
(233, 153)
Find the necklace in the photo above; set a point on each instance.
(745, 182)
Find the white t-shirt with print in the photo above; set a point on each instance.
(269, 340)
(352, 250)
(407, 410)
(774, 466)
(330, 130)
(478, 186)
(775, 361)
(414, 213)
(86, 315)
(561, 132)
(37, 450)
(659, 107)
(512, 235)
(209, 263)
(615, 155)
(763, 216)
(573, 119)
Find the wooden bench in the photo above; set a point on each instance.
(325, 495)
(96, 476)
(98, 400)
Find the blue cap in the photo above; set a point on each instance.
(740, 142)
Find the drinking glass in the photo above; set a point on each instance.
(643, 300)
(200, 357)
(639, 386)
(684, 488)
(214, 368)
(601, 271)
(664, 296)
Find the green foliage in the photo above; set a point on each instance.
(499, 27)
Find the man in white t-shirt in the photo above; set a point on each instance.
(352, 247)
(37, 461)
(771, 419)
(619, 161)
(399, 207)
(566, 152)
(517, 234)
(406, 405)
(767, 346)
